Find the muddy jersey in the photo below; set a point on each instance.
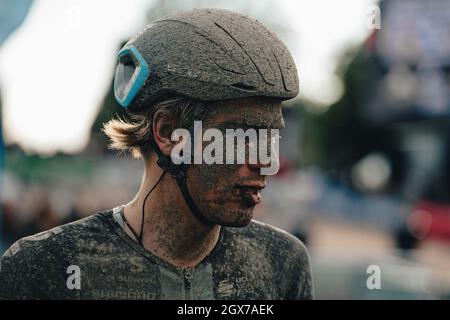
(94, 258)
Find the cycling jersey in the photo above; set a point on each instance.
(94, 258)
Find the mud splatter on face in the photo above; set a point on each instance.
(215, 187)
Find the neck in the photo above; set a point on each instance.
(170, 230)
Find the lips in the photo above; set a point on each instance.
(250, 193)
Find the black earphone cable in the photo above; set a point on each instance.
(143, 207)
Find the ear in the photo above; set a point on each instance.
(162, 128)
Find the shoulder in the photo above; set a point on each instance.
(287, 255)
(292, 259)
(53, 239)
(271, 238)
(36, 261)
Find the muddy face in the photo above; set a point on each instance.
(227, 193)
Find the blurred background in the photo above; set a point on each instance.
(365, 174)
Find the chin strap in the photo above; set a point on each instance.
(178, 172)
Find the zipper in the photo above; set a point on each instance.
(187, 277)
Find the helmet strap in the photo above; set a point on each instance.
(178, 172)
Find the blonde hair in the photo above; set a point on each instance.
(135, 135)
